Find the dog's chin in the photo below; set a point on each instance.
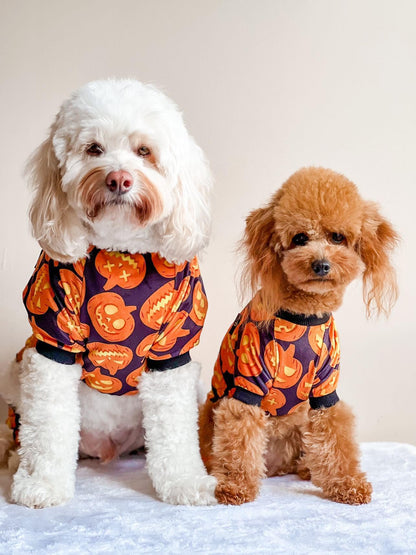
(318, 285)
(140, 213)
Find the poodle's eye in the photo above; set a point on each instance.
(94, 149)
(144, 151)
(338, 238)
(300, 239)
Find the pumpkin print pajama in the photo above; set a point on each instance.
(280, 365)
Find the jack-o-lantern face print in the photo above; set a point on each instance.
(248, 354)
(133, 378)
(218, 381)
(288, 331)
(165, 268)
(74, 290)
(122, 269)
(271, 358)
(101, 382)
(111, 357)
(41, 295)
(290, 369)
(110, 317)
(72, 327)
(199, 306)
(306, 383)
(315, 338)
(153, 310)
(274, 400)
(173, 331)
(328, 386)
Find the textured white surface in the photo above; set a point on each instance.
(115, 511)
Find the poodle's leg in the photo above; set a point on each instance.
(170, 420)
(239, 446)
(49, 432)
(332, 455)
(206, 432)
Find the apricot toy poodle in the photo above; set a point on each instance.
(273, 408)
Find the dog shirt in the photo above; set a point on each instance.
(117, 314)
(280, 364)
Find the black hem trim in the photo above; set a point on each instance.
(168, 364)
(302, 319)
(324, 402)
(54, 353)
(247, 397)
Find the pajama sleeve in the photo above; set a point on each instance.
(53, 298)
(323, 393)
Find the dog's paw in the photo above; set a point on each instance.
(231, 494)
(351, 490)
(38, 493)
(192, 491)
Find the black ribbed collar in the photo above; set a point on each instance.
(303, 319)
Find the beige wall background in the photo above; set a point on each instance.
(266, 87)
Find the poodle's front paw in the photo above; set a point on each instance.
(352, 490)
(40, 492)
(192, 491)
(228, 493)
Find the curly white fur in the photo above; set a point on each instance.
(136, 129)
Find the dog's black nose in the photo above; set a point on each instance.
(321, 267)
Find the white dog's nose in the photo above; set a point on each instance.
(119, 181)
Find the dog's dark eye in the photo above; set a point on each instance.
(338, 238)
(143, 151)
(300, 239)
(94, 149)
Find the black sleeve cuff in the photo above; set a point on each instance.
(169, 363)
(247, 397)
(324, 402)
(54, 353)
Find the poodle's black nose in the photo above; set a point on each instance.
(321, 267)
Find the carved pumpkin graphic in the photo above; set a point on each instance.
(334, 351)
(165, 268)
(145, 344)
(248, 353)
(122, 269)
(241, 381)
(71, 326)
(274, 400)
(153, 310)
(41, 295)
(42, 335)
(315, 338)
(327, 386)
(271, 358)
(133, 378)
(173, 331)
(306, 383)
(199, 306)
(191, 343)
(290, 368)
(74, 289)
(194, 267)
(111, 357)
(182, 294)
(218, 381)
(110, 317)
(287, 331)
(227, 355)
(101, 382)
(324, 356)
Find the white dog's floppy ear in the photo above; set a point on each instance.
(54, 223)
(186, 231)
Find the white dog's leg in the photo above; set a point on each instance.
(49, 432)
(170, 419)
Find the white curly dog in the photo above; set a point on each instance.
(119, 183)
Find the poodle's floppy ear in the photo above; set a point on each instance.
(262, 267)
(378, 238)
(54, 223)
(186, 231)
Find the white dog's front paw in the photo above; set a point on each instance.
(197, 490)
(40, 492)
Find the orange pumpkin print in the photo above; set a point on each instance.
(41, 295)
(288, 331)
(316, 338)
(44, 336)
(199, 306)
(306, 383)
(248, 353)
(72, 327)
(111, 357)
(120, 268)
(145, 345)
(227, 355)
(133, 378)
(154, 309)
(327, 386)
(240, 381)
(191, 343)
(110, 317)
(194, 267)
(74, 289)
(101, 382)
(218, 381)
(271, 358)
(335, 351)
(274, 400)
(173, 331)
(182, 294)
(165, 268)
(290, 369)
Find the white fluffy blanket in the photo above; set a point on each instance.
(115, 511)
